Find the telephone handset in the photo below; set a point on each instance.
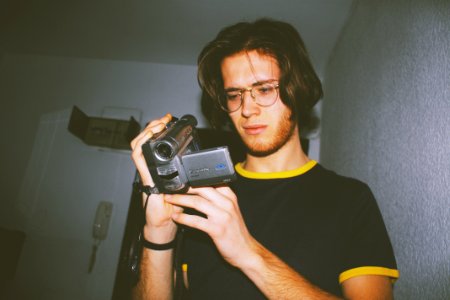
(100, 229)
(102, 217)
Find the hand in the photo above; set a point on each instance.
(159, 227)
(223, 222)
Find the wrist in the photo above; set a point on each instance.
(255, 260)
(158, 246)
(160, 234)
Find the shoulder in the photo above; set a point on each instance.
(333, 179)
(335, 186)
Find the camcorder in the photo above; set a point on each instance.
(176, 162)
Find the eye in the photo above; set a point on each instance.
(264, 89)
(233, 95)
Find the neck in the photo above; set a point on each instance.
(289, 157)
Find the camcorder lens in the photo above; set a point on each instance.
(164, 151)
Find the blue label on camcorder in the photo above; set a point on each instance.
(220, 167)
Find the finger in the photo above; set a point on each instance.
(141, 165)
(146, 134)
(221, 198)
(226, 191)
(136, 145)
(193, 221)
(164, 119)
(153, 127)
(140, 139)
(198, 203)
(156, 126)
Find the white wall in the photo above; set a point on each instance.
(386, 120)
(52, 182)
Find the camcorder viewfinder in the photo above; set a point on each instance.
(176, 162)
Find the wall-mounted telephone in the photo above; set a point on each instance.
(100, 228)
(102, 218)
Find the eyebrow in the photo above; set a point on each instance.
(232, 89)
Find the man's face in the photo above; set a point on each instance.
(264, 130)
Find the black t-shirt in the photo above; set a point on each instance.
(325, 226)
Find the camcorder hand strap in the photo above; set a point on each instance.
(133, 257)
(148, 190)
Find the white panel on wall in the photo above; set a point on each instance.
(73, 179)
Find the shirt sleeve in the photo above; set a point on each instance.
(368, 249)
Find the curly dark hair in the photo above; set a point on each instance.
(300, 88)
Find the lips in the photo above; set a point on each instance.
(254, 129)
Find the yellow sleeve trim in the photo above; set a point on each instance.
(394, 274)
(275, 175)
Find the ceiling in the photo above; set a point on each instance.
(165, 31)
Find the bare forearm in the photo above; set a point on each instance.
(279, 281)
(156, 275)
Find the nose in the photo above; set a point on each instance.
(249, 105)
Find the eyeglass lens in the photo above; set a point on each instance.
(263, 94)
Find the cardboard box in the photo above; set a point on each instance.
(103, 132)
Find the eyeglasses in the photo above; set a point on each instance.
(263, 93)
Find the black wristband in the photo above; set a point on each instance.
(153, 246)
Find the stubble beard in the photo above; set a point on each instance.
(284, 132)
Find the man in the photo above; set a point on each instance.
(287, 228)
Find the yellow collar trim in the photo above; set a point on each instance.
(275, 175)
